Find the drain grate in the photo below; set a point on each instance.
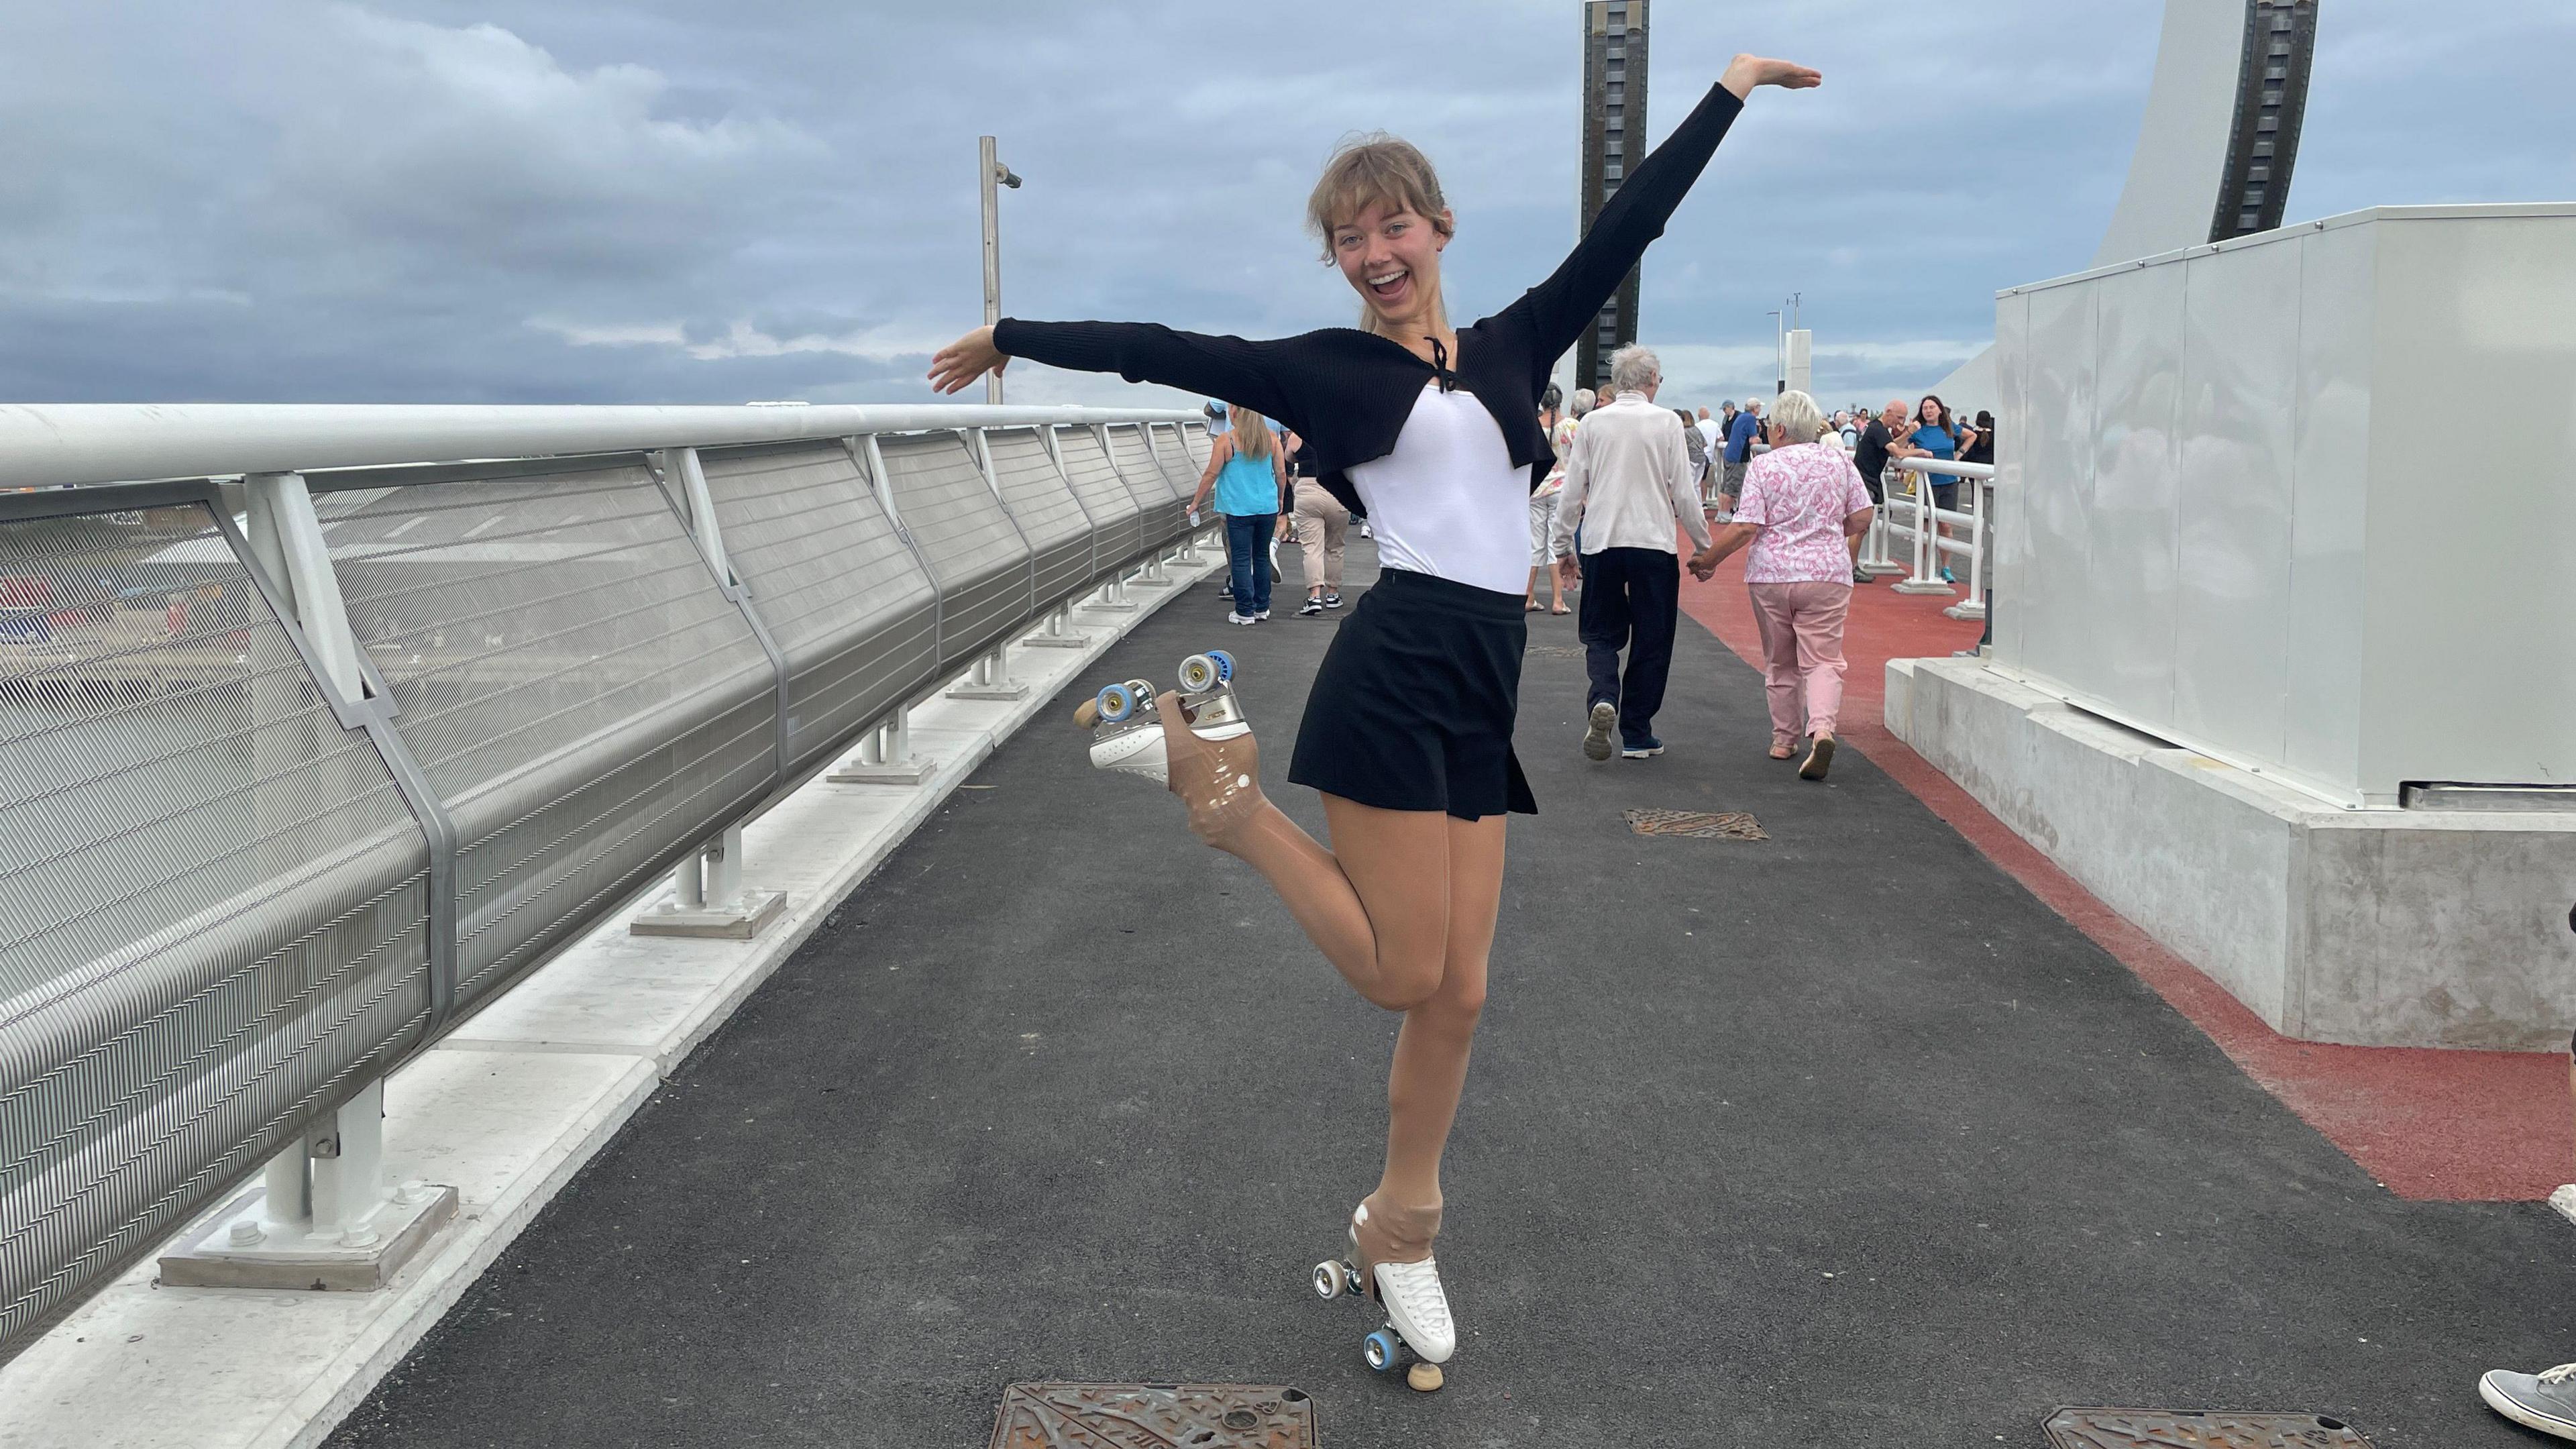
(2215, 1429)
(1697, 824)
(1154, 1416)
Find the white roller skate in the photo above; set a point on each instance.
(1127, 731)
(1419, 1334)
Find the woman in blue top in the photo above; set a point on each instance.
(1932, 436)
(1248, 476)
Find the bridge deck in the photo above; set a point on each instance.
(1756, 1150)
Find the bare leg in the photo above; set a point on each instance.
(1431, 1052)
(1378, 910)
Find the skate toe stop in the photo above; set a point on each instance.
(1425, 1377)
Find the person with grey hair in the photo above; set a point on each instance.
(1629, 470)
(1803, 510)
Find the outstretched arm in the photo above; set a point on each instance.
(1563, 305)
(1223, 367)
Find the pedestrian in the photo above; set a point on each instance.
(2545, 1401)
(1979, 445)
(1803, 511)
(1630, 480)
(1871, 450)
(1247, 474)
(1542, 505)
(1321, 526)
(1711, 432)
(1699, 455)
(1408, 726)
(1930, 437)
(1740, 436)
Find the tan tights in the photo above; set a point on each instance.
(1403, 906)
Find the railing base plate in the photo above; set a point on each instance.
(302, 1264)
(739, 921)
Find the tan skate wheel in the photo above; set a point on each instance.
(1425, 1378)
(1086, 715)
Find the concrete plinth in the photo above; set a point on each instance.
(1000, 690)
(2366, 927)
(855, 771)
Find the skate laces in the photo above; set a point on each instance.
(2559, 1375)
(1419, 1302)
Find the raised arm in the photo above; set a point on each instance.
(1563, 305)
(1224, 367)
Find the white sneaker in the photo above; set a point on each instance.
(1414, 1303)
(1261, 616)
(1242, 618)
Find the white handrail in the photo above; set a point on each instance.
(1945, 465)
(52, 445)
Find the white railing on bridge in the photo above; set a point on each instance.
(322, 726)
(1934, 534)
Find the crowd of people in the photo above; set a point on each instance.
(1793, 487)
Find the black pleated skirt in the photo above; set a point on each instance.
(1413, 707)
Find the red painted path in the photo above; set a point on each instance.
(2458, 1126)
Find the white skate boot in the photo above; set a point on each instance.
(1127, 732)
(1419, 1331)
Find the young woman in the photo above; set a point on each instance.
(1248, 475)
(1932, 436)
(1542, 503)
(1432, 432)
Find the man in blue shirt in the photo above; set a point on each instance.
(1739, 451)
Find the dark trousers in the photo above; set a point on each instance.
(1247, 539)
(1630, 598)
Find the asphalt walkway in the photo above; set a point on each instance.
(1757, 1150)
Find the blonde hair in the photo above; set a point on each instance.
(1251, 432)
(1797, 417)
(1372, 170)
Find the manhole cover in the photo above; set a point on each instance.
(1697, 824)
(2215, 1429)
(1154, 1416)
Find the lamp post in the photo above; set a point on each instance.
(1779, 365)
(993, 173)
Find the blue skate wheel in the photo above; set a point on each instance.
(1117, 702)
(1380, 1349)
(1224, 666)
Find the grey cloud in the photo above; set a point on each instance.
(671, 199)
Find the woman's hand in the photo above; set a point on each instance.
(958, 364)
(1748, 71)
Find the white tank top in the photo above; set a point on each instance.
(1448, 501)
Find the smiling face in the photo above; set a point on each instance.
(1391, 256)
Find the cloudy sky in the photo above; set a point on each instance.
(681, 200)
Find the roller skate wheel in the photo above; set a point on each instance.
(1332, 1280)
(1424, 1378)
(1224, 665)
(1116, 704)
(1381, 1349)
(1199, 674)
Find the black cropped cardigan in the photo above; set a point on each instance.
(1348, 392)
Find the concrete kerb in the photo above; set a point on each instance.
(507, 1111)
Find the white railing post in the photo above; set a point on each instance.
(989, 678)
(1924, 579)
(1056, 635)
(885, 755)
(708, 898)
(1974, 605)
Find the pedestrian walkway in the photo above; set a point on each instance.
(1753, 1154)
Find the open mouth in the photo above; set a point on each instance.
(1387, 286)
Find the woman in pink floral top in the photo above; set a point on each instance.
(1804, 510)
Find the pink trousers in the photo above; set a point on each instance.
(1802, 652)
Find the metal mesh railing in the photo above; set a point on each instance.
(212, 902)
(284, 790)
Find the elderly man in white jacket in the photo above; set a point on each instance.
(1628, 485)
